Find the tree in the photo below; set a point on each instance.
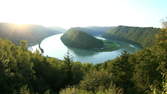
(122, 72)
(68, 67)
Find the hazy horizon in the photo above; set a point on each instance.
(83, 13)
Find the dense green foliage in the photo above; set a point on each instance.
(77, 39)
(144, 36)
(32, 33)
(21, 70)
(24, 72)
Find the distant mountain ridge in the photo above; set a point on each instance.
(57, 29)
(32, 33)
(141, 36)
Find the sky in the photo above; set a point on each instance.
(74, 13)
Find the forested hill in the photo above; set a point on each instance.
(94, 31)
(32, 33)
(78, 39)
(144, 36)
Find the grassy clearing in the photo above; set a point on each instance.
(108, 46)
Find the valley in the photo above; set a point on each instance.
(83, 47)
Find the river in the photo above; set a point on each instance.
(53, 47)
